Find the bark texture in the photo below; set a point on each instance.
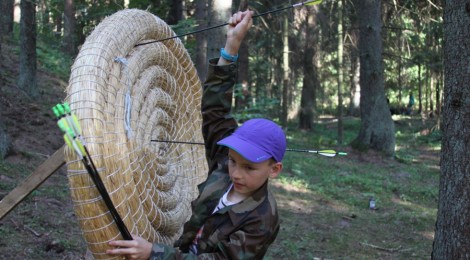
(377, 128)
(453, 222)
(28, 67)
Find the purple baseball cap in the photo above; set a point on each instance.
(257, 140)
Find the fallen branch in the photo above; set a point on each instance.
(33, 231)
(391, 250)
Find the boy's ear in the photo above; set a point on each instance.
(275, 170)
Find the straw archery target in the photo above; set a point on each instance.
(125, 96)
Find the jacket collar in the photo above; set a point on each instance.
(218, 183)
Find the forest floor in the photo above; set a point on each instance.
(318, 221)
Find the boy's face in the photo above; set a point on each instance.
(247, 176)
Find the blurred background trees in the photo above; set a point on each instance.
(296, 67)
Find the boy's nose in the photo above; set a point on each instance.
(236, 173)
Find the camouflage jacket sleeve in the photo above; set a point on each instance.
(217, 122)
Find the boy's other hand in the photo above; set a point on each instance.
(138, 248)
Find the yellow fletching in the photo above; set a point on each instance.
(80, 146)
(329, 153)
(314, 2)
(67, 141)
(77, 125)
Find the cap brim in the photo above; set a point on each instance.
(247, 150)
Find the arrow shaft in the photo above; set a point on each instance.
(224, 24)
(321, 152)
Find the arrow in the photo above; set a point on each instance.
(68, 123)
(306, 3)
(328, 153)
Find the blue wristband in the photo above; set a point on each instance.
(227, 56)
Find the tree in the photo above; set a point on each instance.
(452, 233)
(220, 12)
(310, 72)
(377, 129)
(175, 13)
(4, 142)
(27, 78)
(201, 39)
(285, 71)
(70, 42)
(243, 94)
(340, 71)
(354, 71)
(6, 12)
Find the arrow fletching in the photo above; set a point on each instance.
(328, 153)
(308, 3)
(313, 2)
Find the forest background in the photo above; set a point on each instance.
(347, 66)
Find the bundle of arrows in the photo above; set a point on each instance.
(69, 125)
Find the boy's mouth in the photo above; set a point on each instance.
(238, 185)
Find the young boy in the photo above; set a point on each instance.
(235, 215)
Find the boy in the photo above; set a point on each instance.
(235, 215)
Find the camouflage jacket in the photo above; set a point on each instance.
(241, 231)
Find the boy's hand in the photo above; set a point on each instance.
(238, 26)
(138, 248)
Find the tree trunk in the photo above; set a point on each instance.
(201, 39)
(452, 234)
(220, 12)
(27, 77)
(285, 68)
(340, 71)
(377, 129)
(3, 140)
(58, 24)
(354, 87)
(7, 11)
(420, 90)
(176, 12)
(310, 79)
(70, 42)
(242, 100)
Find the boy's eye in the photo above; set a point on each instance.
(249, 167)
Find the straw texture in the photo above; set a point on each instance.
(151, 184)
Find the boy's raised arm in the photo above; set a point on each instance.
(218, 90)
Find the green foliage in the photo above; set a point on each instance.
(264, 108)
(53, 60)
(160, 10)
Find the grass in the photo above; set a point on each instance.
(324, 202)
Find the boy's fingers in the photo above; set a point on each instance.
(117, 251)
(122, 243)
(240, 16)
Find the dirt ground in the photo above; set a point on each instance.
(40, 227)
